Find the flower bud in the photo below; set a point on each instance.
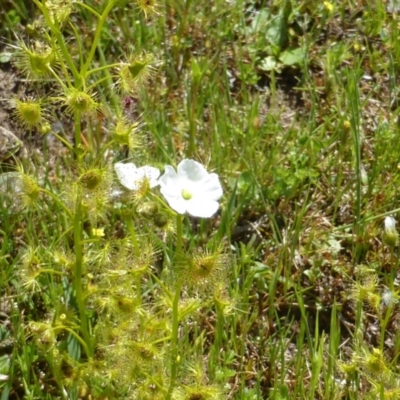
(390, 236)
(148, 209)
(160, 220)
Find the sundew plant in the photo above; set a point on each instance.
(199, 200)
(105, 251)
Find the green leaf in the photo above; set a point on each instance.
(244, 181)
(292, 56)
(277, 33)
(260, 22)
(74, 348)
(5, 57)
(13, 18)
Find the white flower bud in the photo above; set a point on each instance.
(391, 235)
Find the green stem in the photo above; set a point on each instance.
(175, 312)
(179, 236)
(192, 111)
(60, 41)
(132, 230)
(367, 219)
(57, 78)
(103, 67)
(174, 339)
(77, 282)
(96, 39)
(58, 201)
(90, 9)
(393, 269)
(77, 133)
(77, 337)
(383, 322)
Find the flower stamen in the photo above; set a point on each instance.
(186, 194)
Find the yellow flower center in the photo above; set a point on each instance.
(186, 194)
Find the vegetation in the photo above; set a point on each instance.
(112, 288)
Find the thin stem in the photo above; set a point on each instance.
(96, 39)
(90, 9)
(58, 201)
(179, 235)
(60, 41)
(383, 322)
(56, 77)
(132, 230)
(77, 283)
(174, 339)
(393, 268)
(103, 67)
(367, 219)
(77, 337)
(192, 111)
(77, 132)
(175, 312)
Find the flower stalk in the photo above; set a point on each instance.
(78, 139)
(77, 279)
(132, 231)
(175, 311)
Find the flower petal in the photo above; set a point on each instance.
(170, 182)
(191, 189)
(211, 187)
(177, 203)
(390, 223)
(191, 170)
(126, 174)
(202, 208)
(151, 173)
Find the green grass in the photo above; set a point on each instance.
(290, 291)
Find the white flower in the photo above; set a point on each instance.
(191, 189)
(389, 298)
(132, 177)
